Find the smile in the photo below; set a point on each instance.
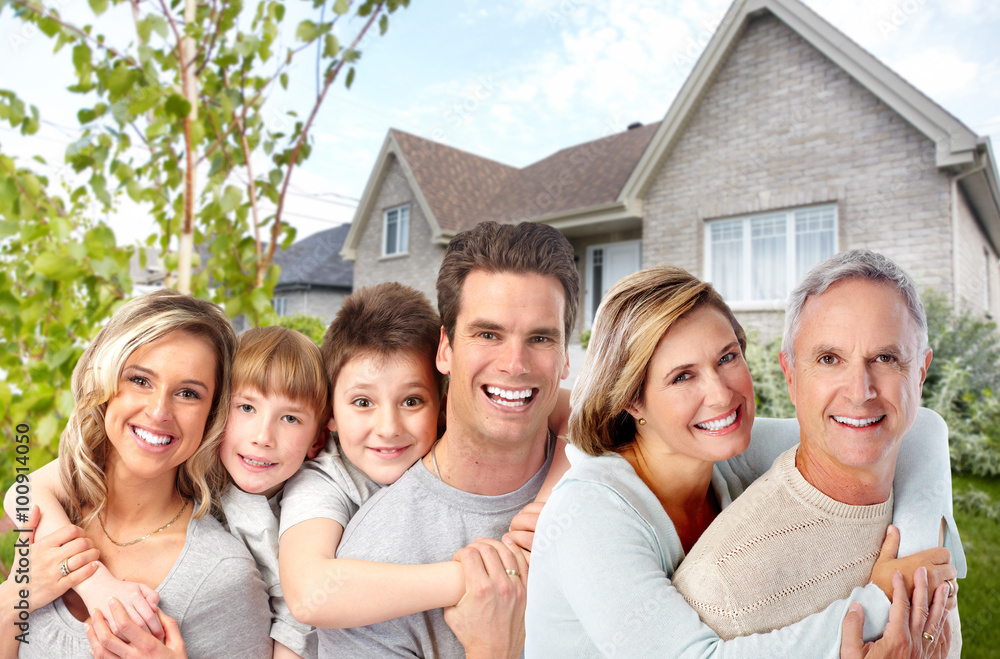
(256, 463)
(151, 438)
(858, 423)
(719, 424)
(509, 397)
(389, 452)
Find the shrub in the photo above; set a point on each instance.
(311, 326)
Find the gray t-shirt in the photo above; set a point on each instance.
(254, 520)
(329, 486)
(420, 520)
(213, 591)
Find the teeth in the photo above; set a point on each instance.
(150, 438)
(857, 423)
(718, 424)
(519, 397)
(257, 463)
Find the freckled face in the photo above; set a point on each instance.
(157, 419)
(699, 399)
(857, 376)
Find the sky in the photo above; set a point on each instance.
(517, 80)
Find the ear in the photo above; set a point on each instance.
(321, 436)
(444, 353)
(565, 371)
(789, 372)
(637, 410)
(331, 425)
(927, 365)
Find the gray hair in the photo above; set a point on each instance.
(855, 264)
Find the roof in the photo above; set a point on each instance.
(315, 261)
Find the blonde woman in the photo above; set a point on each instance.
(140, 471)
(663, 405)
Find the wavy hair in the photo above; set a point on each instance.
(634, 315)
(83, 447)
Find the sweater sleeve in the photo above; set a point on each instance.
(606, 562)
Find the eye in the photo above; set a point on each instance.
(188, 393)
(885, 359)
(288, 418)
(728, 357)
(246, 408)
(361, 402)
(412, 401)
(828, 360)
(540, 339)
(139, 380)
(489, 336)
(683, 377)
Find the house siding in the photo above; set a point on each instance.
(321, 303)
(418, 267)
(974, 277)
(782, 126)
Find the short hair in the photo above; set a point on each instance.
(280, 361)
(525, 248)
(381, 321)
(632, 319)
(83, 446)
(855, 264)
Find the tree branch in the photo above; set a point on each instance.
(47, 13)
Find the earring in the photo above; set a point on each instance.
(642, 422)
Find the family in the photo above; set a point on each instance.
(671, 524)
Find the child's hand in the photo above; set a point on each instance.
(134, 642)
(138, 600)
(522, 527)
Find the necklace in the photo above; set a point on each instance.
(138, 540)
(435, 462)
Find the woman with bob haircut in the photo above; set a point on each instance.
(139, 467)
(662, 406)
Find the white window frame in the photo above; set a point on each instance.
(745, 302)
(280, 305)
(401, 230)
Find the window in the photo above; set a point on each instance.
(279, 304)
(397, 231)
(760, 258)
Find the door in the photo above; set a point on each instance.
(606, 264)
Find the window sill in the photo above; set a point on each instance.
(392, 257)
(758, 305)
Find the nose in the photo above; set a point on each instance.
(162, 408)
(513, 360)
(717, 391)
(859, 387)
(261, 434)
(387, 422)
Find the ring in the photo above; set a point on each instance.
(513, 573)
(929, 637)
(952, 587)
(64, 568)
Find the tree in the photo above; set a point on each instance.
(176, 123)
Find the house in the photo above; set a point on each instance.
(787, 143)
(314, 278)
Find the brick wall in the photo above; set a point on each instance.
(782, 126)
(976, 271)
(419, 266)
(322, 303)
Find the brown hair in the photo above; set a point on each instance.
(281, 361)
(634, 315)
(379, 321)
(83, 446)
(525, 248)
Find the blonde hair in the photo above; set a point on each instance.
(83, 446)
(280, 361)
(634, 315)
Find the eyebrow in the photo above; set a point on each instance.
(146, 371)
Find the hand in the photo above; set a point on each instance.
(936, 560)
(489, 619)
(522, 527)
(904, 636)
(140, 601)
(70, 544)
(134, 642)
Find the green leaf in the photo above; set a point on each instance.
(283, 79)
(331, 46)
(307, 31)
(341, 7)
(350, 78)
(383, 24)
(54, 266)
(99, 6)
(178, 106)
(81, 56)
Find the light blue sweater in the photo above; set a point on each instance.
(604, 551)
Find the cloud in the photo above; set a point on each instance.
(938, 72)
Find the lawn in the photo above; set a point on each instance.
(979, 597)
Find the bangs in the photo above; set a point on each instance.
(279, 362)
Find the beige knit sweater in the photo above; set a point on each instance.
(780, 552)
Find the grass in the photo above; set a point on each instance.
(979, 597)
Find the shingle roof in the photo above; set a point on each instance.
(463, 189)
(316, 261)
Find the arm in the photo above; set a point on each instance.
(140, 600)
(325, 591)
(603, 537)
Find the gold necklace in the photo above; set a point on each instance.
(138, 540)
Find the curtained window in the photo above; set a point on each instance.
(396, 231)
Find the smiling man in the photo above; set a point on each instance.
(507, 295)
(855, 356)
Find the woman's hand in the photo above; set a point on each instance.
(139, 600)
(522, 527)
(914, 632)
(134, 642)
(68, 550)
(936, 560)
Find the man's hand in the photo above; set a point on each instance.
(134, 642)
(489, 619)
